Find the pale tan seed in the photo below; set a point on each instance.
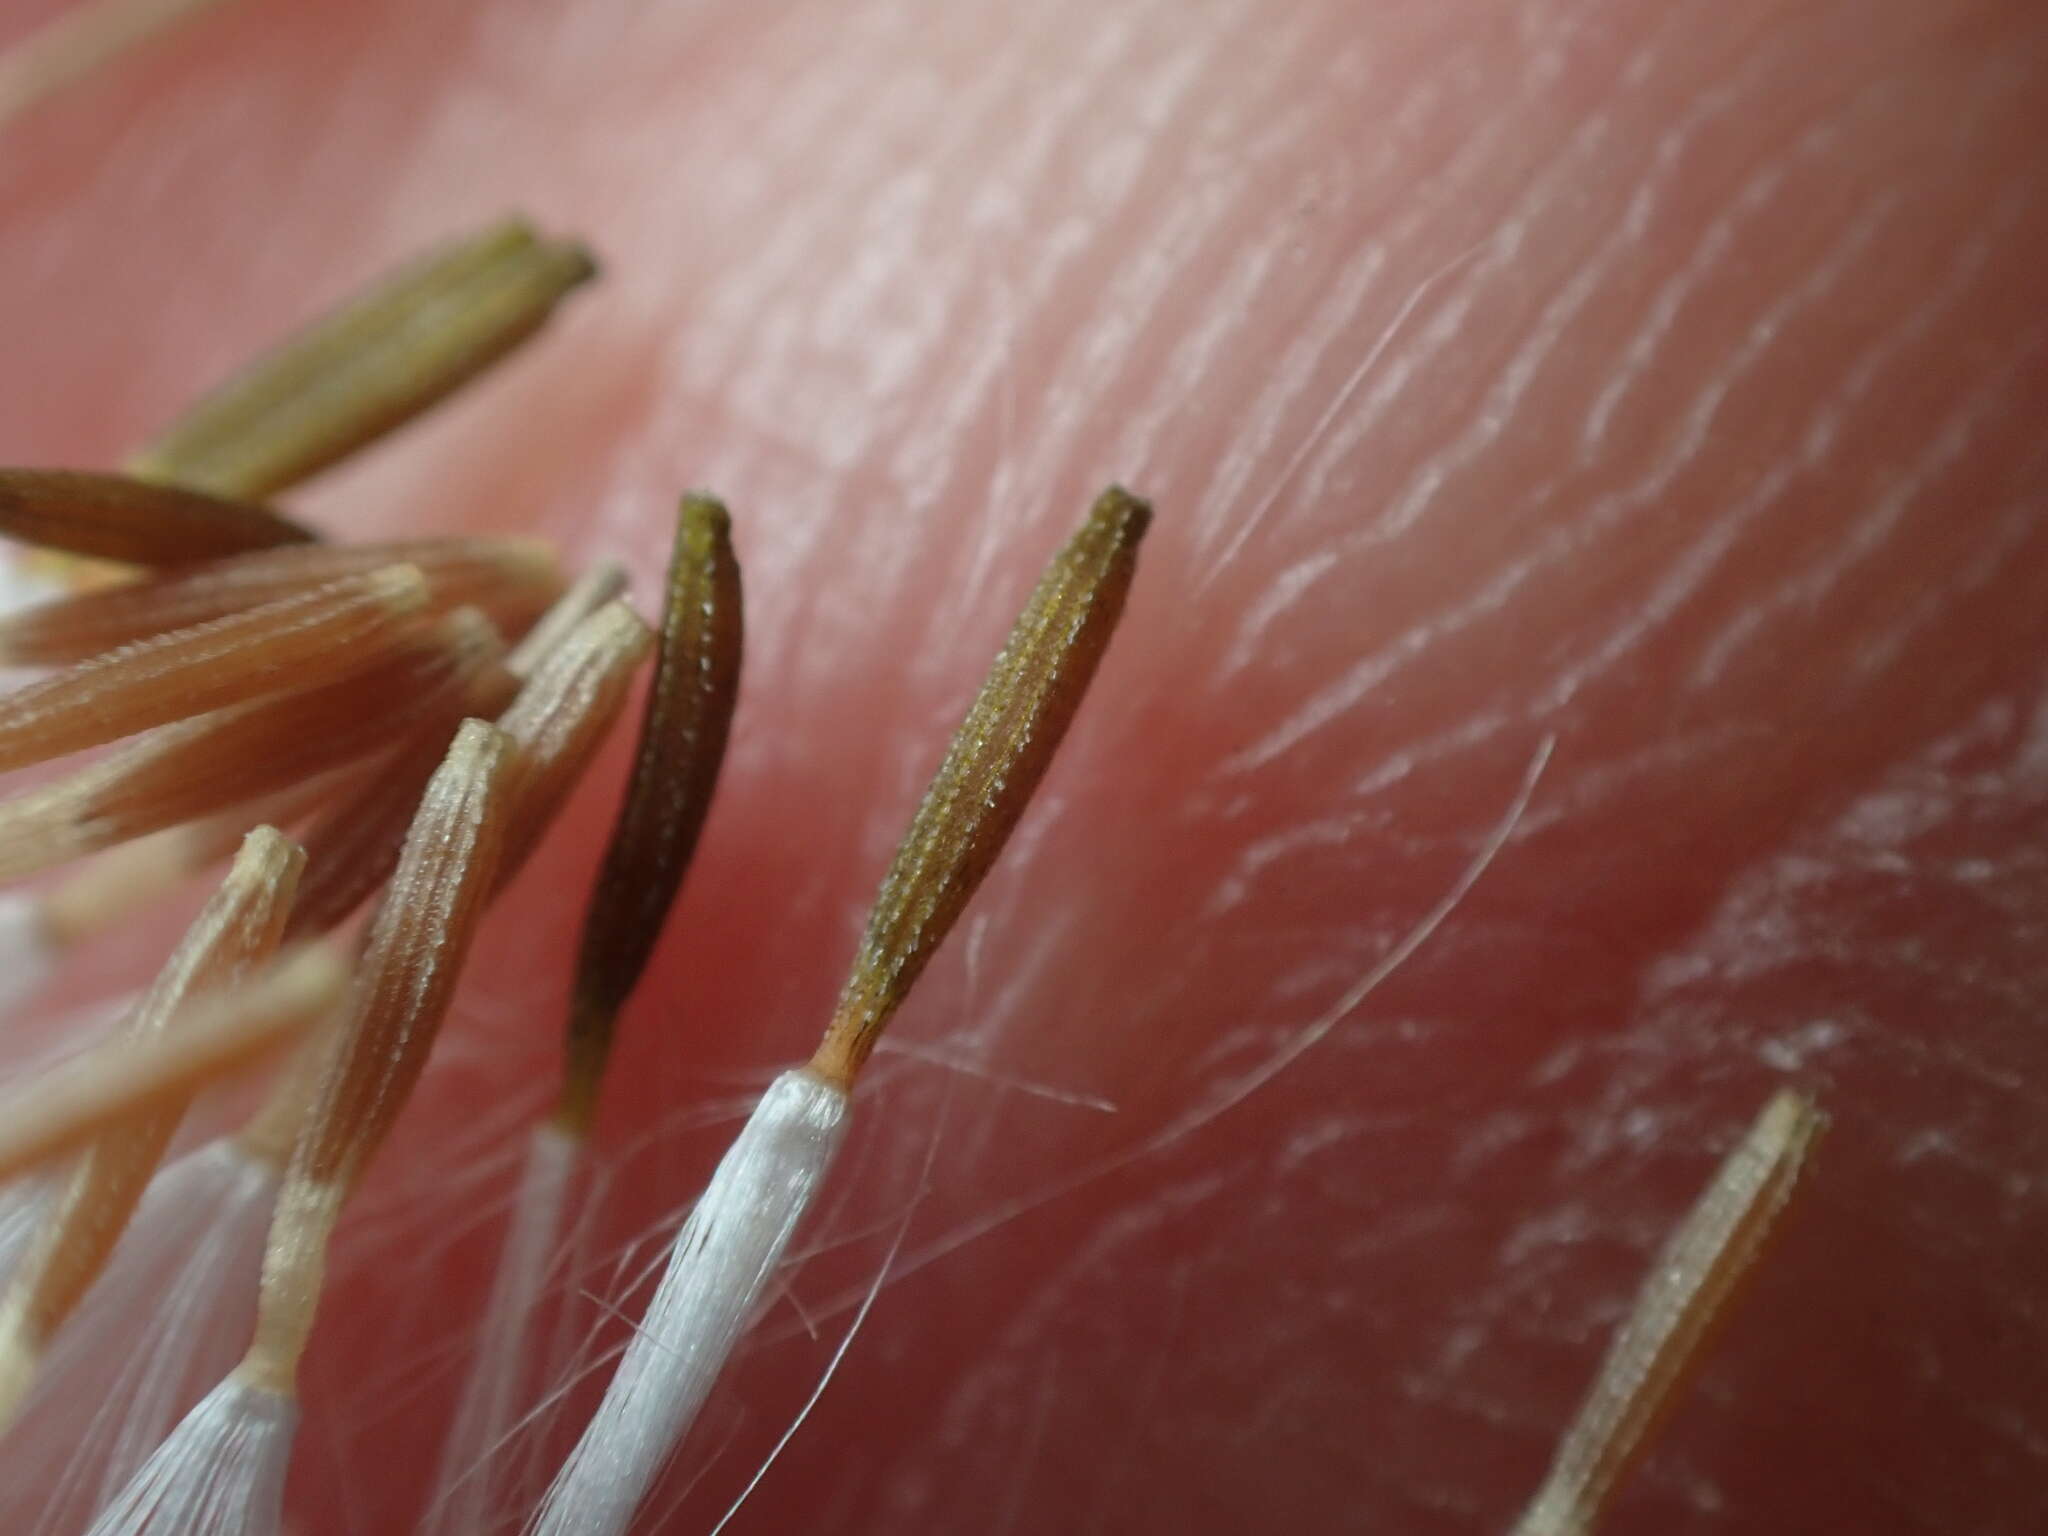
(370, 366)
(413, 957)
(136, 1077)
(120, 518)
(586, 594)
(296, 643)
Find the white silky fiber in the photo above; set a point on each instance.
(476, 1487)
(221, 1472)
(721, 1262)
(169, 1318)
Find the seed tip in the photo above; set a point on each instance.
(1790, 1116)
(579, 263)
(474, 741)
(401, 588)
(468, 630)
(1120, 514)
(704, 520)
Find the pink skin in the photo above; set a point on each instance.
(1666, 379)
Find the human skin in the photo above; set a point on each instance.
(1666, 381)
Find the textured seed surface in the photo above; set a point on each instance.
(683, 733)
(369, 367)
(512, 580)
(297, 642)
(989, 773)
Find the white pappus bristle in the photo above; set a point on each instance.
(26, 956)
(169, 1317)
(221, 1472)
(477, 1465)
(721, 1262)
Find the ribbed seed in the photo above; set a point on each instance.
(993, 766)
(675, 769)
(180, 772)
(414, 955)
(370, 366)
(560, 719)
(58, 1110)
(510, 580)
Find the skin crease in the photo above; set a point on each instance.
(1667, 379)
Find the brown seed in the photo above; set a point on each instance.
(683, 733)
(297, 642)
(1688, 1289)
(194, 768)
(370, 366)
(510, 580)
(412, 959)
(117, 517)
(989, 774)
(236, 932)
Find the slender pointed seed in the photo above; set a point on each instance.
(117, 517)
(370, 366)
(417, 945)
(180, 772)
(988, 776)
(236, 932)
(510, 580)
(133, 1076)
(295, 643)
(561, 718)
(1688, 1289)
(683, 732)
(589, 592)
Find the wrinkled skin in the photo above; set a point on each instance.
(1664, 379)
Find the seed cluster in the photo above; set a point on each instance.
(393, 725)
(396, 726)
